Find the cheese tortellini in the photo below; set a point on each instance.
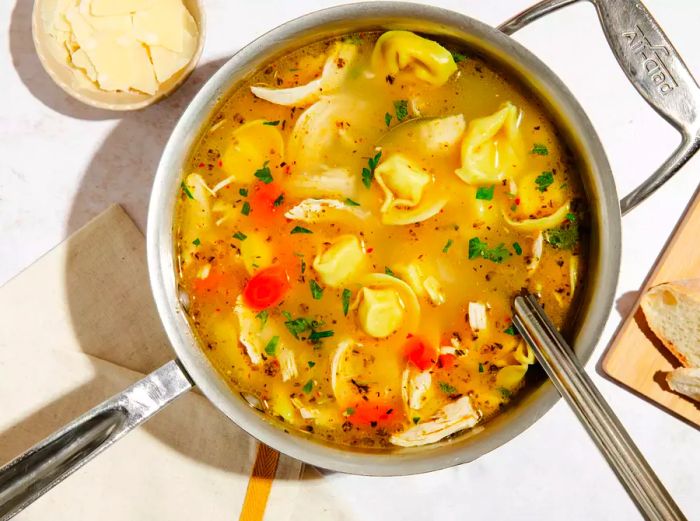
(404, 185)
(386, 304)
(340, 261)
(511, 376)
(253, 145)
(404, 51)
(492, 148)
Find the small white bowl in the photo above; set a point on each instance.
(50, 56)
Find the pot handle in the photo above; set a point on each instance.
(35, 472)
(652, 65)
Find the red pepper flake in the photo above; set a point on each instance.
(409, 335)
(287, 169)
(517, 200)
(370, 250)
(221, 163)
(201, 165)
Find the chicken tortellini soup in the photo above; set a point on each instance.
(353, 227)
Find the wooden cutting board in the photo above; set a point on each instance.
(636, 358)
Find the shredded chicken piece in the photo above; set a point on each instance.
(451, 418)
(287, 364)
(314, 210)
(477, 316)
(250, 339)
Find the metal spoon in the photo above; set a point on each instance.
(572, 382)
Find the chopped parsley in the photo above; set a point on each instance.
(563, 238)
(401, 109)
(264, 173)
(315, 336)
(243, 192)
(539, 150)
(511, 330)
(278, 201)
(308, 386)
(544, 180)
(368, 171)
(350, 202)
(346, 301)
(316, 290)
(447, 388)
(196, 242)
(505, 393)
(186, 190)
(245, 210)
(388, 271)
(311, 363)
(240, 236)
(353, 38)
(272, 123)
(349, 411)
(458, 56)
(271, 347)
(485, 193)
(478, 248)
(300, 229)
(518, 249)
(481, 367)
(303, 266)
(571, 217)
(387, 119)
(416, 419)
(263, 316)
(447, 245)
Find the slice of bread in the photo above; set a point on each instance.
(686, 381)
(672, 311)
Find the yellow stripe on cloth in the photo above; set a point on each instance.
(259, 484)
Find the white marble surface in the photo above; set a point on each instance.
(62, 163)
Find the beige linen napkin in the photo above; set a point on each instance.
(80, 325)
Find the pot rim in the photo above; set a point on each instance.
(604, 254)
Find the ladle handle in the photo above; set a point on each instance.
(652, 65)
(35, 472)
(569, 377)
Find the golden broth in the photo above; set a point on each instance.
(362, 366)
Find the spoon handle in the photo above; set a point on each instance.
(570, 379)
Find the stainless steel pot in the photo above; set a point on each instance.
(650, 62)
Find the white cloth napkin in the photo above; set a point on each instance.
(79, 326)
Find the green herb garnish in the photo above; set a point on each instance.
(564, 238)
(544, 180)
(539, 150)
(263, 316)
(571, 217)
(350, 202)
(368, 173)
(300, 229)
(308, 386)
(387, 119)
(481, 367)
(447, 388)
(196, 242)
(511, 330)
(245, 210)
(243, 192)
(264, 173)
(315, 336)
(505, 393)
(316, 290)
(186, 190)
(518, 249)
(485, 193)
(478, 248)
(401, 109)
(271, 347)
(447, 245)
(349, 411)
(346, 301)
(278, 201)
(416, 419)
(388, 271)
(311, 363)
(272, 123)
(240, 236)
(458, 56)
